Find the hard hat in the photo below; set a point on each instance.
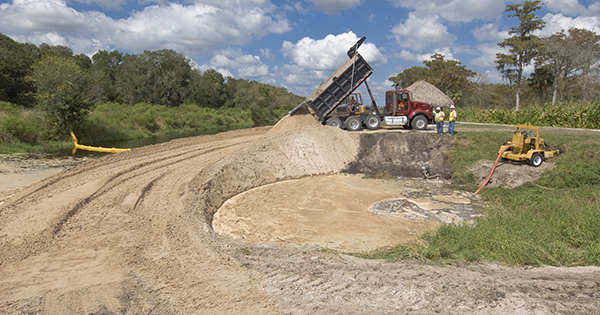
(451, 106)
(437, 108)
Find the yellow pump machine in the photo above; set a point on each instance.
(527, 145)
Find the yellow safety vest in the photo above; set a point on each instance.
(439, 116)
(452, 115)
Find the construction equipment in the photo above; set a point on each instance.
(400, 109)
(527, 145)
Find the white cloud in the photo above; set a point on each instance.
(407, 55)
(194, 29)
(456, 10)
(557, 22)
(329, 53)
(107, 4)
(489, 33)
(594, 8)
(233, 59)
(422, 33)
(487, 55)
(266, 52)
(334, 6)
(568, 7)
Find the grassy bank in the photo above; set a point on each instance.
(27, 130)
(527, 225)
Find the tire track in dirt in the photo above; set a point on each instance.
(142, 243)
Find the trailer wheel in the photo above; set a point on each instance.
(419, 123)
(372, 122)
(354, 123)
(334, 122)
(536, 159)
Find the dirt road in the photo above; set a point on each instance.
(131, 233)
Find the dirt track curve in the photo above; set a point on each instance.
(131, 233)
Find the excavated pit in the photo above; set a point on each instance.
(314, 193)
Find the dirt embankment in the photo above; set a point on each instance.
(131, 233)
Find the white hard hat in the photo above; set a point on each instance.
(437, 108)
(451, 106)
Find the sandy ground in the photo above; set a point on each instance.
(131, 233)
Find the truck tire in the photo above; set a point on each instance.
(372, 122)
(334, 122)
(536, 159)
(419, 122)
(354, 123)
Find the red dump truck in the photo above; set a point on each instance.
(399, 110)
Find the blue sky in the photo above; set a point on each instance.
(289, 43)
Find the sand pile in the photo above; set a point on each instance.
(302, 117)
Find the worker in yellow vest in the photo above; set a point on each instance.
(439, 120)
(451, 120)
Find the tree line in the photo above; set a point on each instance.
(66, 86)
(567, 67)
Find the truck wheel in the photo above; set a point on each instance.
(419, 123)
(354, 124)
(536, 159)
(334, 122)
(372, 122)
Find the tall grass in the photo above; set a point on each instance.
(568, 115)
(113, 122)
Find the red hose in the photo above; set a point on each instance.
(494, 167)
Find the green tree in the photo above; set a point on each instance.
(211, 90)
(16, 61)
(523, 44)
(541, 79)
(573, 59)
(155, 77)
(55, 51)
(105, 66)
(60, 91)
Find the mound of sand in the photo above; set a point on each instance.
(302, 117)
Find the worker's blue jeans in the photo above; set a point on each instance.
(440, 127)
(451, 127)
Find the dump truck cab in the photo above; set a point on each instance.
(400, 109)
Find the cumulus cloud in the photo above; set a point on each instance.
(233, 59)
(487, 55)
(334, 6)
(489, 33)
(422, 33)
(568, 7)
(410, 56)
(106, 4)
(330, 52)
(456, 10)
(194, 29)
(557, 22)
